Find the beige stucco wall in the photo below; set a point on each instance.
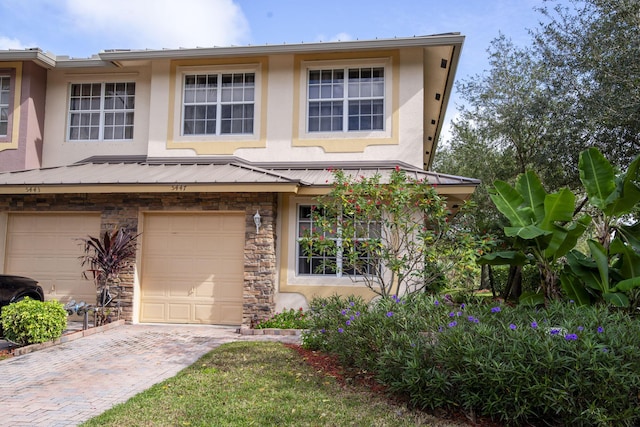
(57, 150)
(158, 101)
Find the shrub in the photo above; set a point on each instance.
(565, 365)
(30, 321)
(327, 320)
(288, 319)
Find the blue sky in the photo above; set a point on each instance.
(81, 28)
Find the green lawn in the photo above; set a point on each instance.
(258, 384)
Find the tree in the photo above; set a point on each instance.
(394, 236)
(510, 109)
(591, 51)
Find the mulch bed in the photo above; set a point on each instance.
(6, 352)
(330, 366)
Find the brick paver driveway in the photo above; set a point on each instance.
(72, 382)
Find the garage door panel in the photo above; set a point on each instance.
(153, 311)
(189, 256)
(222, 266)
(178, 289)
(206, 313)
(146, 294)
(47, 248)
(157, 241)
(228, 292)
(232, 313)
(205, 290)
(229, 223)
(179, 312)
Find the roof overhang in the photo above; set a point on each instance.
(45, 60)
(140, 174)
(316, 47)
(113, 57)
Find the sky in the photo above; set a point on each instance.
(81, 28)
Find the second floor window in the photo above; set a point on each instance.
(349, 99)
(5, 96)
(218, 104)
(101, 111)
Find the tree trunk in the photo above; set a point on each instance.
(513, 288)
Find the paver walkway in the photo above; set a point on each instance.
(72, 382)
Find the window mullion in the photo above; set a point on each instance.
(345, 101)
(219, 104)
(101, 123)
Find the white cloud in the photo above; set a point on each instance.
(162, 23)
(341, 37)
(7, 43)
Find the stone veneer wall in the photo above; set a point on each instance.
(123, 210)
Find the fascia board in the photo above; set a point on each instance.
(148, 188)
(45, 60)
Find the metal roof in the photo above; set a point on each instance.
(143, 171)
(111, 57)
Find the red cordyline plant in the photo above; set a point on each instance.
(107, 256)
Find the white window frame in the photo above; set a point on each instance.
(303, 106)
(337, 238)
(178, 105)
(5, 95)
(246, 91)
(101, 112)
(340, 94)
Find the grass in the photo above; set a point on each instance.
(257, 384)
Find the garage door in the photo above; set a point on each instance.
(46, 248)
(192, 268)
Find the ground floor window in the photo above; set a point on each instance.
(333, 259)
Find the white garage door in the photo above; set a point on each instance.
(192, 268)
(45, 247)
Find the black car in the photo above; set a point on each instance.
(15, 288)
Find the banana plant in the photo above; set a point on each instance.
(612, 267)
(542, 227)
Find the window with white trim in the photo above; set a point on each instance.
(218, 104)
(346, 99)
(101, 111)
(333, 263)
(5, 103)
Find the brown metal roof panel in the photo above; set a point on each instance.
(136, 173)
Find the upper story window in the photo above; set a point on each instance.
(5, 103)
(218, 104)
(346, 99)
(101, 111)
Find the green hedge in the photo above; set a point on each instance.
(288, 319)
(564, 365)
(30, 321)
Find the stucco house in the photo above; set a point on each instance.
(214, 155)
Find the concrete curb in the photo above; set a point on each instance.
(269, 331)
(66, 338)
